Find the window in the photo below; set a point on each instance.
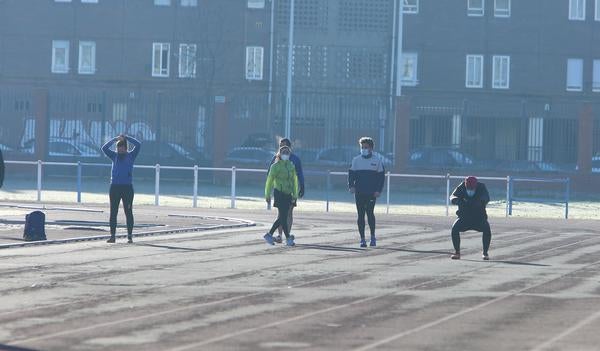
(254, 62)
(501, 8)
(162, 2)
(408, 69)
(187, 60)
(596, 78)
(256, 4)
(62, 0)
(501, 72)
(90, 1)
(574, 74)
(60, 56)
(597, 15)
(160, 59)
(577, 10)
(189, 3)
(410, 6)
(87, 57)
(475, 7)
(474, 72)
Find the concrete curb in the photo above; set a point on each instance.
(241, 223)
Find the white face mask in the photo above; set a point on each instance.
(285, 157)
(470, 193)
(365, 152)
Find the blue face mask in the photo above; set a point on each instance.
(470, 193)
(365, 152)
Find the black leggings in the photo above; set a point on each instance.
(462, 226)
(117, 193)
(365, 203)
(283, 202)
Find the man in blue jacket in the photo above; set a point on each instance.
(121, 181)
(298, 165)
(365, 180)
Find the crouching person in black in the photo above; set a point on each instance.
(471, 197)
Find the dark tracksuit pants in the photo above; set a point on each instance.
(284, 204)
(118, 193)
(462, 225)
(365, 204)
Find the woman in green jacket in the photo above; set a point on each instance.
(283, 178)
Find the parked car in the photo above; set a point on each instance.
(65, 149)
(259, 140)
(525, 166)
(169, 154)
(440, 159)
(342, 156)
(596, 164)
(307, 156)
(250, 156)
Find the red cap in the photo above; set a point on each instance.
(471, 182)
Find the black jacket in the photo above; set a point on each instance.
(471, 209)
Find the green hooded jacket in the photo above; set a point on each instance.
(282, 176)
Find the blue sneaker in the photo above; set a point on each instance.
(290, 241)
(269, 239)
(363, 243)
(373, 241)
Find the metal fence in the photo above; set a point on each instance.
(562, 194)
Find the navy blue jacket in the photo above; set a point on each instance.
(122, 167)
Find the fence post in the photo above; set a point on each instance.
(39, 181)
(78, 182)
(195, 199)
(327, 191)
(157, 185)
(567, 196)
(387, 210)
(233, 187)
(447, 194)
(509, 194)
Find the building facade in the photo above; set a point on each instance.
(506, 82)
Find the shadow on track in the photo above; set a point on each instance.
(14, 348)
(172, 247)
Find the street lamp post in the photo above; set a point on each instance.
(288, 95)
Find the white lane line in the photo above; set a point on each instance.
(468, 310)
(368, 347)
(567, 332)
(49, 336)
(173, 310)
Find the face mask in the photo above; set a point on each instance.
(470, 193)
(365, 152)
(285, 157)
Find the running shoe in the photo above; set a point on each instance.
(277, 239)
(290, 241)
(363, 243)
(455, 256)
(129, 240)
(269, 238)
(485, 257)
(373, 241)
(111, 240)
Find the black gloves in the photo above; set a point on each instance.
(301, 192)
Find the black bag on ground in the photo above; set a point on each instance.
(34, 226)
